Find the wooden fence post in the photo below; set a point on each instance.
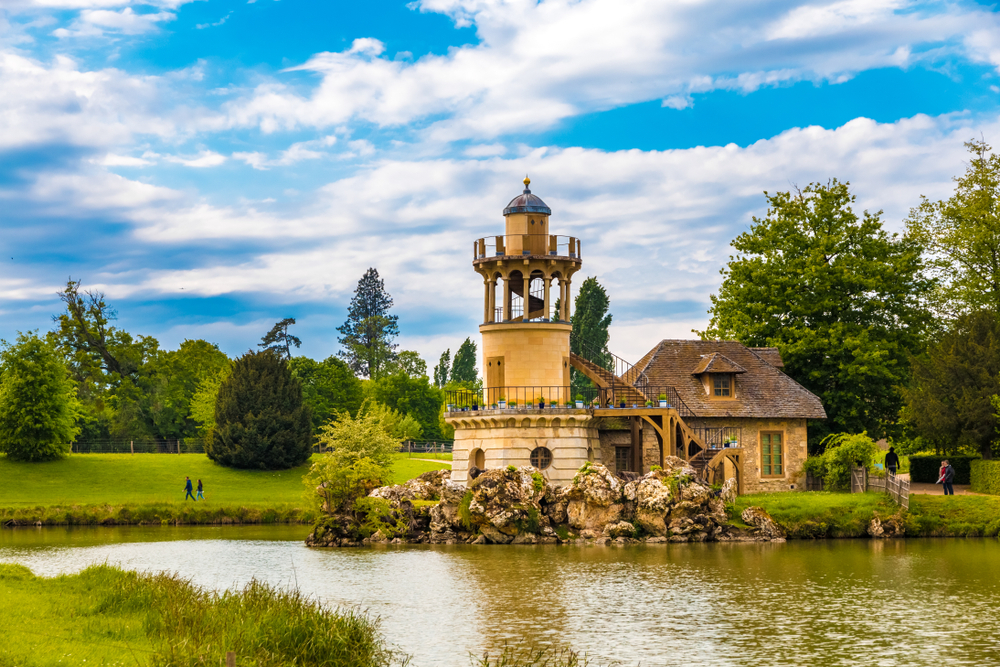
(230, 659)
(131, 446)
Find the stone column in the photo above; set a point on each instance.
(492, 301)
(566, 304)
(506, 299)
(486, 301)
(548, 283)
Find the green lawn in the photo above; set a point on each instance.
(813, 514)
(92, 479)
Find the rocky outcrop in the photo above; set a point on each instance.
(885, 528)
(764, 526)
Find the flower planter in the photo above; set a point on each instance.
(503, 404)
(579, 404)
(663, 404)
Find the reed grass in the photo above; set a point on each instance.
(106, 615)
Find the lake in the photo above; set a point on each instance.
(847, 602)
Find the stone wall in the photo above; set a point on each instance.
(795, 451)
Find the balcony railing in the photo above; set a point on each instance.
(563, 397)
(521, 245)
(719, 437)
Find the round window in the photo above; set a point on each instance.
(541, 458)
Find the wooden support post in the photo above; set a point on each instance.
(131, 445)
(636, 444)
(230, 659)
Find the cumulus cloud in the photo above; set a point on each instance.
(297, 152)
(538, 63)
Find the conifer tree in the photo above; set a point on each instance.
(261, 421)
(369, 331)
(590, 320)
(38, 404)
(278, 340)
(464, 369)
(443, 369)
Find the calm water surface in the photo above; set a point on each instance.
(920, 602)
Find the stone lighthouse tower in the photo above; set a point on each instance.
(526, 414)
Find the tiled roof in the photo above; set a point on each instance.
(761, 392)
(769, 354)
(717, 363)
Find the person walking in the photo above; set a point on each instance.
(188, 488)
(948, 477)
(892, 461)
(200, 488)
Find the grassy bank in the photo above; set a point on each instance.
(106, 616)
(91, 489)
(819, 514)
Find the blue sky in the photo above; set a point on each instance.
(217, 165)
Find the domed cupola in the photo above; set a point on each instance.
(527, 202)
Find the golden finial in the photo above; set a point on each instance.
(527, 181)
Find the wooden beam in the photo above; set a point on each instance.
(636, 444)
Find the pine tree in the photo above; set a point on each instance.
(279, 341)
(261, 421)
(443, 369)
(38, 404)
(369, 330)
(464, 369)
(590, 320)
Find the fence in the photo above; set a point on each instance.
(197, 446)
(427, 446)
(897, 488)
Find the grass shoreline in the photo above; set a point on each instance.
(155, 514)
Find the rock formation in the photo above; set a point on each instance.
(517, 506)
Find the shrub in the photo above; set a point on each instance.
(842, 453)
(260, 419)
(464, 510)
(369, 435)
(333, 486)
(984, 476)
(924, 468)
(38, 404)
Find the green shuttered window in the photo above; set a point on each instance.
(772, 460)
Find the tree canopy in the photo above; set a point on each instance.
(370, 330)
(415, 397)
(328, 387)
(962, 237)
(261, 420)
(949, 402)
(591, 321)
(465, 369)
(443, 369)
(279, 341)
(38, 404)
(408, 362)
(843, 300)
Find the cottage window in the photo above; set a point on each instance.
(772, 455)
(622, 457)
(723, 385)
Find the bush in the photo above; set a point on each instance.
(843, 452)
(38, 404)
(924, 468)
(984, 476)
(333, 485)
(260, 419)
(369, 435)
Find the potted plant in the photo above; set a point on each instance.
(569, 404)
(451, 407)
(503, 402)
(663, 400)
(475, 405)
(622, 402)
(541, 403)
(579, 400)
(513, 405)
(649, 404)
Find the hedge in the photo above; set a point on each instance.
(925, 467)
(986, 477)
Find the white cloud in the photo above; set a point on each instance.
(539, 63)
(94, 22)
(297, 152)
(486, 150)
(112, 160)
(203, 159)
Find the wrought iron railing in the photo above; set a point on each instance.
(563, 397)
(522, 245)
(719, 437)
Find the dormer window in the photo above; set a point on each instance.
(718, 375)
(722, 385)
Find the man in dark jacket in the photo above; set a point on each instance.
(892, 461)
(188, 487)
(949, 477)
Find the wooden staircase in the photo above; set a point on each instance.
(605, 379)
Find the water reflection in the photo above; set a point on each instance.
(919, 602)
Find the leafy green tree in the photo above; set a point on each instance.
(169, 382)
(408, 362)
(369, 331)
(843, 300)
(371, 435)
(443, 369)
(962, 237)
(465, 369)
(842, 452)
(334, 487)
(402, 427)
(415, 397)
(948, 402)
(279, 341)
(203, 401)
(591, 321)
(38, 404)
(328, 387)
(260, 419)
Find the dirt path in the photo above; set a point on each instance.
(448, 463)
(936, 489)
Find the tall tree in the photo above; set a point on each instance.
(408, 362)
(279, 341)
(949, 399)
(843, 300)
(465, 369)
(328, 388)
(369, 331)
(590, 320)
(443, 369)
(169, 383)
(38, 404)
(261, 421)
(962, 236)
(415, 397)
